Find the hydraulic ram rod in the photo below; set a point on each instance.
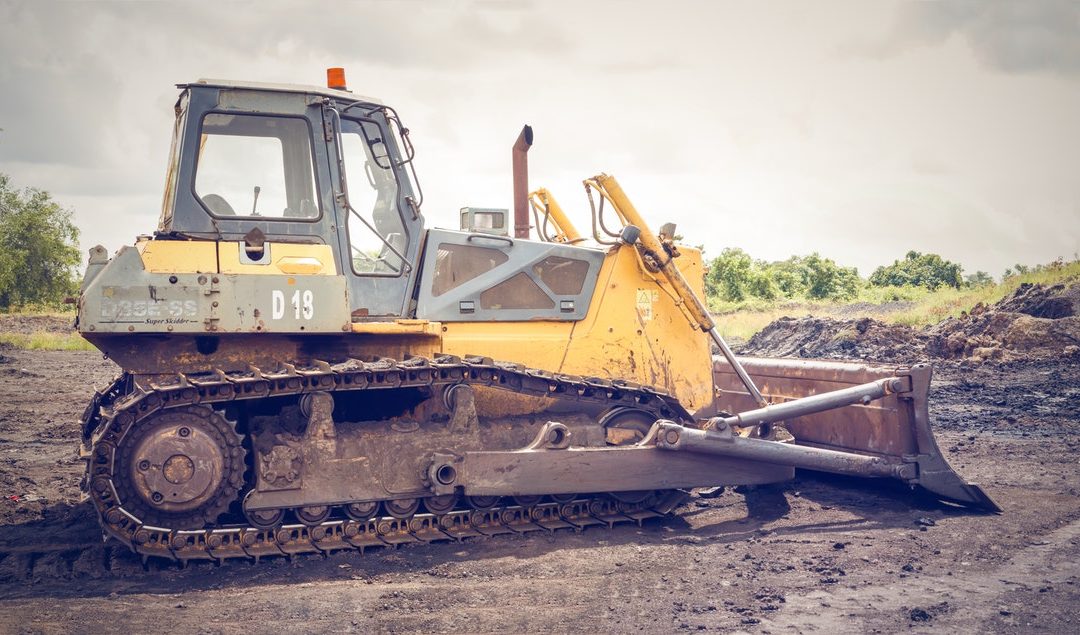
(722, 441)
(672, 436)
(864, 394)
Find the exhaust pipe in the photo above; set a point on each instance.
(521, 182)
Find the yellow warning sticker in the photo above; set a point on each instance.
(645, 300)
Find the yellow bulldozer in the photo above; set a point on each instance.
(307, 367)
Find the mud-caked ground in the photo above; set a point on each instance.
(820, 554)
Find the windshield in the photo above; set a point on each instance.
(376, 229)
(254, 165)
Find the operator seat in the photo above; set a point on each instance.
(218, 205)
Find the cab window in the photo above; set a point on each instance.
(256, 167)
(377, 236)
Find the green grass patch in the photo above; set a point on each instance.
(47, 310)
(46, 341)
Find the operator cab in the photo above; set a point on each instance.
(258, 164)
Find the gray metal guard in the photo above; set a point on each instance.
(521, 256)
(120, 296)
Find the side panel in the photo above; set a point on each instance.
(473, 277)
(204, 256)
(632, 331)
(636, 331)
(178, 256)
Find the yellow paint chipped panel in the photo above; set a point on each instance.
(397, 327)
(300, 265)
(285, 258)
(203, 256)
(178, 256)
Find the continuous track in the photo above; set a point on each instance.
(116, 411)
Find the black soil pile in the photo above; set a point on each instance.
(827, 338)
(1036, 321)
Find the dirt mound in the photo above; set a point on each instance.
(826, 338)
(1036, 321)
(1036, 300)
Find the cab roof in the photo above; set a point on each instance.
(322, 91)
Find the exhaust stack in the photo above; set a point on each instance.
(521, 182)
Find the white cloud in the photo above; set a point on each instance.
(859, 130)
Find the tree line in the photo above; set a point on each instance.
(734, 276)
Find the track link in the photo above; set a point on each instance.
(115, 412)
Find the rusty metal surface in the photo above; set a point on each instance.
(184, 466)
(896, 427)
(883, 427)
(161, 354)
(338, 462)
(521, 182)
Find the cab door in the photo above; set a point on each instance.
(378, 229)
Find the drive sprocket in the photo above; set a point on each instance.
(182, 467)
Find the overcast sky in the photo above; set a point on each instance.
(860, 130)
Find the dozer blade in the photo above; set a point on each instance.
(895, 428)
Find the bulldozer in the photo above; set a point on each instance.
(306, 367)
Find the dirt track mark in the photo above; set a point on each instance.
(932, 603)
